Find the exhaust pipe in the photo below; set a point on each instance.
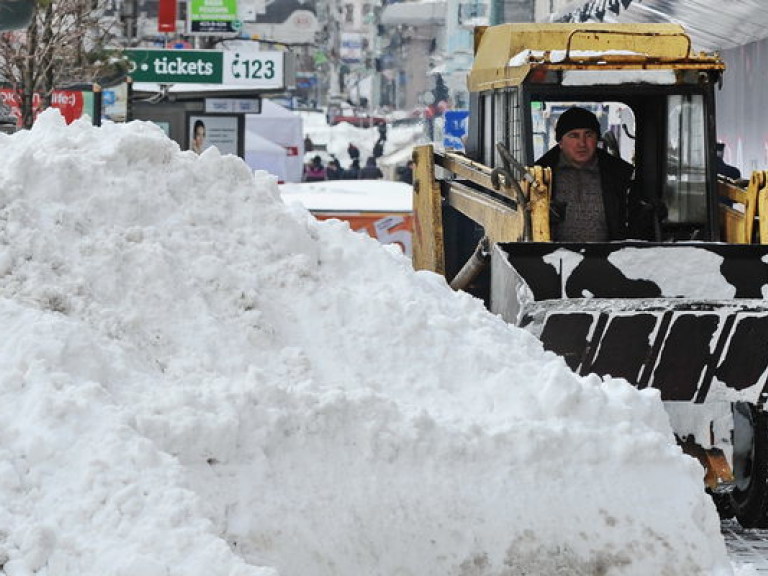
(474, 266)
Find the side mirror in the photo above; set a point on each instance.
(16, 14)
(611, 144)
(627, 122)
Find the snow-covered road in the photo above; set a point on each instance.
(746, 546)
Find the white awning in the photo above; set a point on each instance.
(414, 13)
(712, 24)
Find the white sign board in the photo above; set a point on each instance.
(228, 105)
(255, 69)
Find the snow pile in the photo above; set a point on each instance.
(198, 379)
(335, 139)
(554, 56)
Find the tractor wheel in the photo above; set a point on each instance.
(723, 504)
(749, 499)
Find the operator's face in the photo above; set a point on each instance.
(578, 146)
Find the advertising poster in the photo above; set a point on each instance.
(387, 228)
(351, 47)
(209, 130)
(114, 102)
(166, 16)
(212, 17)
(71, 103)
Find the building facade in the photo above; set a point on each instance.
(376, 55)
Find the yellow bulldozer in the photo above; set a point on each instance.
(681, 306)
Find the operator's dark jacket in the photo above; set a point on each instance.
(615, 178)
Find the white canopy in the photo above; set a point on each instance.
(263, 154)
(282, 127)
(712, 24)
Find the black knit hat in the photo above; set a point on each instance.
(574, 119)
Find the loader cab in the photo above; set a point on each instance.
(646, 83)
(665, 131)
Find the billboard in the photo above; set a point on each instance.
(114, 103)
(166, 16)
(351, 47)
(222, 131)
(212, 17)
(71, 103)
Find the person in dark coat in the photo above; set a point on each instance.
(590, 200)
(314, 171)
(354, 152)
(382, 132)
(370, 171)
(353, 171)
(726, 169)
(333, 171)
(405, 174)
(378, 148)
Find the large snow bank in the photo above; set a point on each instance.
(198, 379)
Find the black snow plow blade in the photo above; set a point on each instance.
(690, 320)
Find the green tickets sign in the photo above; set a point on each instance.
(258, 70)
(173, 66)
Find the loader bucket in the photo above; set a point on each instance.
(689, 319)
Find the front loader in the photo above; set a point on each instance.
(682, 306)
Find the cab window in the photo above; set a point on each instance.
(617, 126)
(685, 192)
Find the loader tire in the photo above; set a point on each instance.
(749, 499)
(723, 504)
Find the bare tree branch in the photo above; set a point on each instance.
(65, 43)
